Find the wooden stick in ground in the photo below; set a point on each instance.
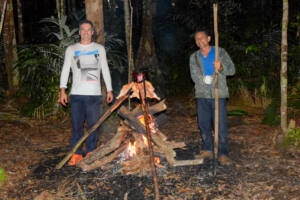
(3, 15)
(99, 122)
(152, 164)
(216, 87)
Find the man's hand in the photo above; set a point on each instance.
(63, 98)
(109, 97)
(218, 65)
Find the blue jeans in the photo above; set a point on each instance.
(84, 107)
(206, 118)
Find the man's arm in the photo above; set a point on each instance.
(63, 99)
(195, 72)
(106, 76)
(227, 66)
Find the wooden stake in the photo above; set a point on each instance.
(144, 106)
(216, 87)
(99, 122)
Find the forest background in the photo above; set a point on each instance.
(249, 30)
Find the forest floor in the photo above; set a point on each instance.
(30, 150)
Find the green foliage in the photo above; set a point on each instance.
(252, 48)
(294, 97)
(2, 175)
(292, 138)
(271, 116)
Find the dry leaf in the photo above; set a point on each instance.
(92, 187)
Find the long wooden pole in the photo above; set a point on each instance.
(216, 87)
(98, 123)
(152, 164)
(3, 15)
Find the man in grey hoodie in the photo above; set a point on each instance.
(202, 68)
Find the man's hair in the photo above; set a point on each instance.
(85, 21)
(206, 32)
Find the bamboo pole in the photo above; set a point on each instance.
(216, 139)
(99, 122)
(3, 15)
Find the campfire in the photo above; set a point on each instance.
(130, 143)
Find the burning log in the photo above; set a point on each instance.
(109, 147)
(99, 163)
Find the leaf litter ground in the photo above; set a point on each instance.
(30, 151)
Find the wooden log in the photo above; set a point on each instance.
(156, 108)
(136, 165)
(99, 163)
(110, 146)
(187, 162)
(133, 121)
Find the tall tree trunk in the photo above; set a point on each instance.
(128, 32)
(10, 50)
(20, 22)
(283, 73)
(94, 13)
(60, 13)
(146, 56)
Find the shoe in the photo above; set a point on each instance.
(75, 159)
(224, 160)
(204, 154)
(88, 154)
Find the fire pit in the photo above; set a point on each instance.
(130, 143)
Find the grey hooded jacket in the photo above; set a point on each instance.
(203, 90)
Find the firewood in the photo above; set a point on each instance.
(187, 162)
(99, 163)
(101, 151)
(164, 146)
(136, 165)
(156, 108)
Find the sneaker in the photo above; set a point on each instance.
(75, 159)
(224, 160)
(88, 154)
(204, 154)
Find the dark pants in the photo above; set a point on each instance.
(84, 107)
(206, 112)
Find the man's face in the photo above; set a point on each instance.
(202, 40)
(86, 32)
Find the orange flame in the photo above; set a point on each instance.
(156, 160)
(131, 149)
(145, 140)
(142, 119)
